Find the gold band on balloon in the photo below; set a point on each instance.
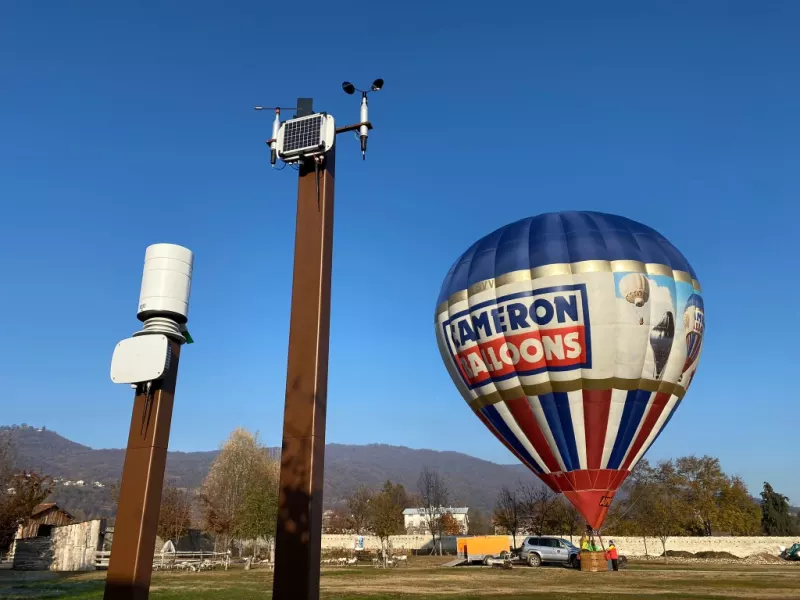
(576, 268)
(574, 385)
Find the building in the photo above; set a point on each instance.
(42, 520)
(415, 521)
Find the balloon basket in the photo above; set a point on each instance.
(593, 561)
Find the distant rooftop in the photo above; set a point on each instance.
(421, 511)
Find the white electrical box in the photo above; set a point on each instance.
(140, 359)
(166, 283)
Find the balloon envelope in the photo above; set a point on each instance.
(534, 325)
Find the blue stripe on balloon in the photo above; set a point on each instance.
(635, 404)
(666, 422)
(559, 419)
(694, 345)
(563, 237)
(490, 412)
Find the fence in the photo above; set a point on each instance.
(188, 561)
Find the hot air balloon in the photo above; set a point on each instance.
(694, 326)
(636, 290)
(535, 330)
(661, 338)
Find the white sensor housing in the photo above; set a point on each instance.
(166, 283)
(140, 359)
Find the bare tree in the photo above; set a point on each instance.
(567, 517)
(174, 518)
(508, 512)
(538, 507)
(479, 523)
(358, 504)
(433, 495)
(339, 522)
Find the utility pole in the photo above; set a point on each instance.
(148, 361)
(309, 140)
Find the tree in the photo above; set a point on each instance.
(567, 517)
(507, 512)
(113, 489)
(538, 503)
(358, 505)
(386, 512)
(702, 482)
(664, 510)
(20, 493)
(775, 516)
(738, 513)
(479, 524)
(450, 526)
(224, 489)
(339, 522)
(174, 518)
(258, 517)
(433, 496)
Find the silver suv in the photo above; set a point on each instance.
(538, 550)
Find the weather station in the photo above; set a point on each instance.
(148, 362)
(307, 143)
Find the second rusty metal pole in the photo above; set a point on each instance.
(131, 563)
(299, 533)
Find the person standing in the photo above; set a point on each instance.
(613, 556)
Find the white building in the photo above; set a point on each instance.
(415, 519)
(79, 482)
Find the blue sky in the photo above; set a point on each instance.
(126, 124)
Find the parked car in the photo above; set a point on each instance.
(537, 550)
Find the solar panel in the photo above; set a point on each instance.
(301, 134)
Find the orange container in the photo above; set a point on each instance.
(482, 545)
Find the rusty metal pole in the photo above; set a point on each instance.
(131, 563)
(299, 533)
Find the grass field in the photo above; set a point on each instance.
(424, 580)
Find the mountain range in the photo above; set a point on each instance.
(471, 481)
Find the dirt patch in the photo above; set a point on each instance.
(713, 554)
(678, 554)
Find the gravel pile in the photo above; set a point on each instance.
(764, 558)
(711, 557)
(678, 560)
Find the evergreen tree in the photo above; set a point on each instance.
(775, 516)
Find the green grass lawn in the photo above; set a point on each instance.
(421, 581)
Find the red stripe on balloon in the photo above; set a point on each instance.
(596, 406)
(521, 410)
(659, 402)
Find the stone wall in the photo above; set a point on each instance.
(629, 546)
(738, 546)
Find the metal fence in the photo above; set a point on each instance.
(177, 561)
